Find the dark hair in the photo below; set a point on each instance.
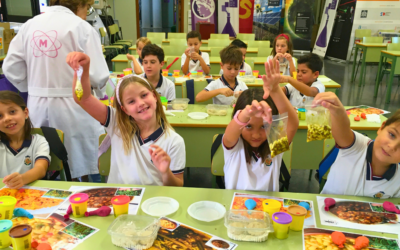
(231, 55)
(239, 43)
(71, 4)
(193, 34)
(312, 61)
(8, 97)
(246, 98)
(153, 50)
(393, 119)
(288, 42)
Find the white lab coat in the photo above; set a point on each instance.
(36, 63)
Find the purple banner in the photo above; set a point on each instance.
(204, 11)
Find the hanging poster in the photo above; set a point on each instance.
(325, 28)
(341, 31)
(246, 9)
(228, 17)
(267, 14)
(204, 11)
(299, 11)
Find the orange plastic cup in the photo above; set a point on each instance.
(120, 204)
(79, 204)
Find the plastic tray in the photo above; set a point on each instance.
(217, 110)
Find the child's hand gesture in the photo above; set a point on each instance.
(226, 92)
(278, 56)
(330, 101)
(76, 59)
(195, 56)
(130, 57)
(187, 52)
(258, 109)
(288, 56)
(272, 78)
(160, 158)
(14, 181)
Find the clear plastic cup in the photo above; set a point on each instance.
(7, 205)
(79, 204)
(120, 204)
(21, 237)
(298, 214)
(5, 226)
(281, 222)
(271, 206)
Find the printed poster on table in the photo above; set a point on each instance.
(40, 202)
(176, 235)
(61, 234)
(239, 199)
(358, 215)
(204, 11)
(228, 17)
(246, 9)
(325, 28)
(101, 196)
(368, 110)
(317, 238)
(266, 18)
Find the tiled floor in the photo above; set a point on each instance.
(349, 94)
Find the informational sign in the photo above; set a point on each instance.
(303, 21)
(204, 11)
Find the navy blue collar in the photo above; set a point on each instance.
(242, 66)
(141, 61)
(153, 137)
(388, 174)
(195, 61)
(160, 81)
(25, 144)
(255, 156)
(227, 84)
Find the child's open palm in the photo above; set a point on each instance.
(272, 78)
(160, 158)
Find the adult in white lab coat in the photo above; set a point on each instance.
(36, 64)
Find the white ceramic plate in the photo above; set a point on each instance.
(160, 206)
(198, 115)
(207, 211)
(323, 79)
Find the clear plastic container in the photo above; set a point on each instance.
(180, 103)
(246, 225)
(134, 231)
(218, 110)
(247, 79)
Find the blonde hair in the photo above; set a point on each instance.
(144, 40)
(126, 124)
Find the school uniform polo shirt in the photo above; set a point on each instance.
(165, 87)
(257, 176)
(136, 167)
(222, 83)
(195, 65)
(297, 99)
(245, 67)
(23, 159)
(351, 173)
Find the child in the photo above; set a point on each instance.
(307, 86)
(222, 90)
(193, 59)
(145, 149)
(137, 66)
(243, 47)
(24, 158)
(153, 61)
(248, 165)
(282, 50)
(363, 167)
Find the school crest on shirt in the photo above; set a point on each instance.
(27, 160)
(268, 161)
(381, 195)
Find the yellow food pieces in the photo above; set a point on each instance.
(317, 132)
(30, 199)
(279, 146)
(78, 90)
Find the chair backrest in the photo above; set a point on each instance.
(177, 43)
(250, 62)
(172, 35)
(197, 87)
(372, 39)
(393, 46)
(219, 36)
(113, 29)
(215, 51)
(246, 37)
(105, 159)
(395, 39)
(103, 31)
(259, 44)
(173, 51)
(218, 42)
(218, 161)
(156, 34)
(175, 66)
(359, 33)
(55, 163)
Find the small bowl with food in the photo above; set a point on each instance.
(180, 103)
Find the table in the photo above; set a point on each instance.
(186, 197)
(374, 50)
(390, 55)
(258, 64)
(198, 134)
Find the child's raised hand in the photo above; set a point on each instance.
(330, 101)
(14, 181)
(76, 59)
(160, 158)
(272, 78)
(130, 57)
(226, 92)
(258, 109)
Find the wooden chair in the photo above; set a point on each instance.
(111, 51)
(387, 62)
(172, 35)
(120, 37)
(173, 51)
(104, 161)
(246, 37)
(218, 43)
(55, 163)
(178, 43)
(358, 35)
(113, 39)
(250, 62)
(219, 36)
(372, 39)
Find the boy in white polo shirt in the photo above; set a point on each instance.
(307, 86)
(153, 61)
(243, 47)
(222, 90)
(193, 59)
(363, 167)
